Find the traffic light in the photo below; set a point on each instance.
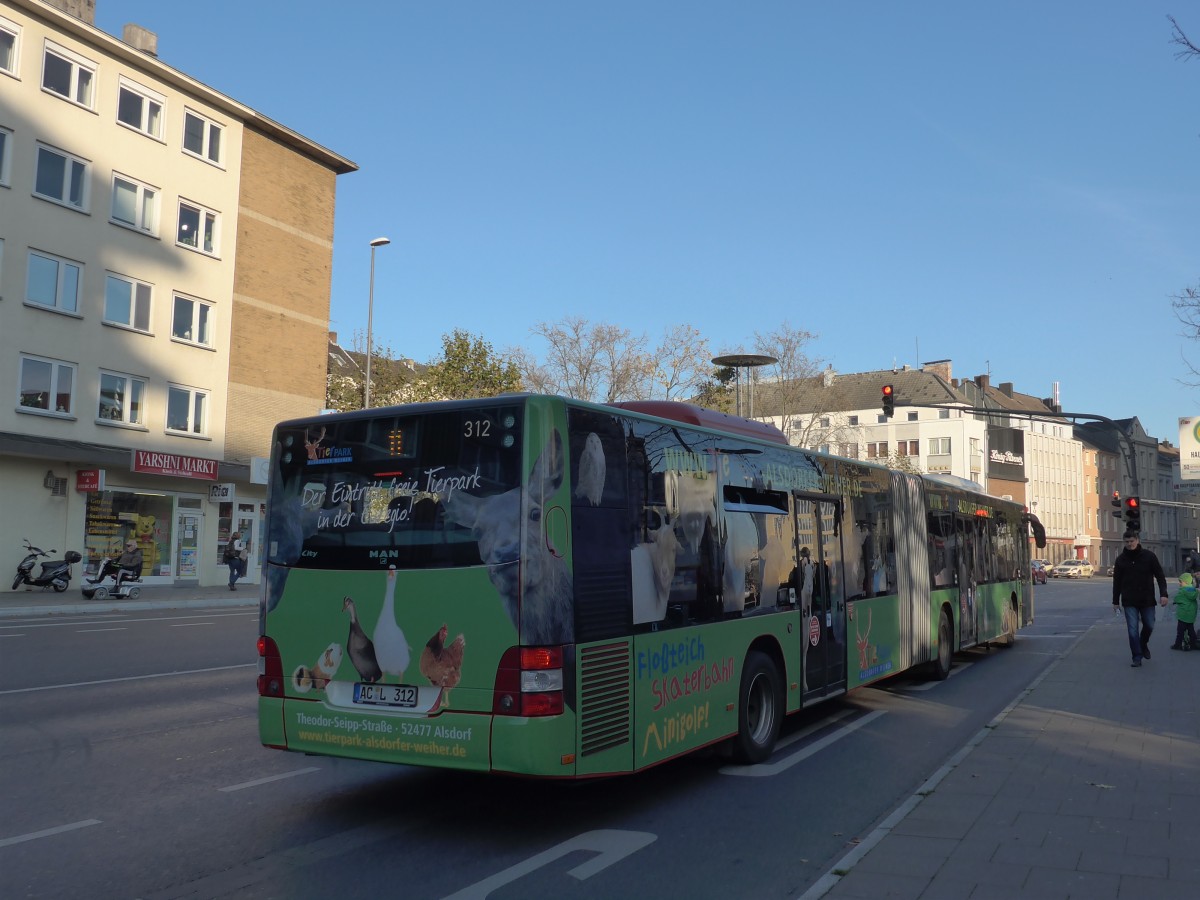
(1116, 502)
(1133, 513)
(889, 401)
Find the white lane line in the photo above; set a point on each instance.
(958, 669)
(48, 832)
(256, 782)
(11, 635)
(763, 770)
(192, 624)
(95, 630)
(55, 687)
(84, 620)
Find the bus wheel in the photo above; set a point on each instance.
(945, 648)
(759, 709)
(1010, 625)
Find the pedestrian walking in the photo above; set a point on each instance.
(1134, 574)
(235, 558)
(1185, 613)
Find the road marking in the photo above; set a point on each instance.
(192, 624)
(257, 781)
(55, 687)
(60, 624)
(48, 832)
(958, 669)
(612, 846)
(765, 770)
(95, 630)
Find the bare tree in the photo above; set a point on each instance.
(599, 362)
(1187, 310)
(788, 375)
(682, 364)
(1187, 50)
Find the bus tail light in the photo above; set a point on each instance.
(270, 668)
(529, 682)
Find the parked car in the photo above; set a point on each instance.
(1044, 563)
(1072, 568)
(1037, 571)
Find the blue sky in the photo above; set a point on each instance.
(1012, 186)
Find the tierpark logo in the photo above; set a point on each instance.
(1196, 430)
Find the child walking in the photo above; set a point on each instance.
(1185, 614)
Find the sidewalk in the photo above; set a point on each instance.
(36, 602)
(1088, 786)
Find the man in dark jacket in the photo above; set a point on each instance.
(1134, 574)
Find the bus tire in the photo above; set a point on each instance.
(945, 648)
(1010, 625)
(759, 709)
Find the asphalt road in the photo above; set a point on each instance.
(130, 763)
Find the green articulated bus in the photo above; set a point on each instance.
(537, 586)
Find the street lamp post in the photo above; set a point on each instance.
(378, 242)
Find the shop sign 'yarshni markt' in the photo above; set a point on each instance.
(154, 463)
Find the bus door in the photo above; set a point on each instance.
(821, 594)
(965, 544)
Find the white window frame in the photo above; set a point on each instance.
(61, 285)
(147, 201)
(149, 98)
(141, 293)
(210, 127)
(203, 215)
(939, 446)
(6, 143)
(190, 428)
(874, 449)
(76, 174)
(79, 85)
(14, 30)
(58, 368)
(133, 387)
(201, 321)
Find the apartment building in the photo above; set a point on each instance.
(841, 414)
(165, 269)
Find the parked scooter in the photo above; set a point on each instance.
(129, 586)
(56, 573)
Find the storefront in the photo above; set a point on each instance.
(180, 510)
(176, 512)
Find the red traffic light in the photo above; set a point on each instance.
(889, 401)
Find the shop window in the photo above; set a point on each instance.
(113, 517)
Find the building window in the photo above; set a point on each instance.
(187, 410)
(69, 75)
(908, 448)
(53, 282)
(882, 419)
(202, 137)
(943, 413)
(191, 321)
(939, 446)
(10, 33)
(134, 205)
(140, 108)
(46, 385)
(850, 450)
(127, 302)
(912, 416)
(61, 177)
(824, 421)
(877, 450)
(122, 399)
(197, 228)
(5, 156)
(854, 420)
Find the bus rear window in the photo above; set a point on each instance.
(374, 488)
